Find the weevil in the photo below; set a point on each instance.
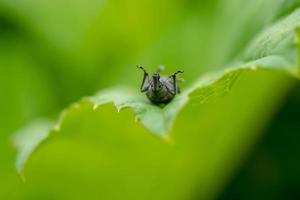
(160, 90)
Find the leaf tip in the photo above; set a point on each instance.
(21, 175)
(95, 107)
(168, 139)
(76, 105)
(253, 67)
(119, 109)
(56, 128)
(136, 119)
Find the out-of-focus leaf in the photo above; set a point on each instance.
(29, 138)
(274, 50)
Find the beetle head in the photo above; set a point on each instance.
(156, 76)
(156, 82)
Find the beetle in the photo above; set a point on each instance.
(160, 90)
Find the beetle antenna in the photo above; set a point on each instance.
(160, 68)
(142, 68)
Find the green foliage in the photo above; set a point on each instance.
(28, 140)
(98, 151)
(269, 51)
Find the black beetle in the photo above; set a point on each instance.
(160, 90)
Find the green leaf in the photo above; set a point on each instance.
(29, 138)
(273, 50)
(156, 119)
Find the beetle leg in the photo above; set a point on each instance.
(173, 76)
(142, 68)
(145, 83)
(177, 72)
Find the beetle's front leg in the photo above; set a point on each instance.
(173, 76)
(145, 83)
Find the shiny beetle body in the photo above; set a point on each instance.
(160, 90)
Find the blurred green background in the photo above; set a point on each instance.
(53, 52)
